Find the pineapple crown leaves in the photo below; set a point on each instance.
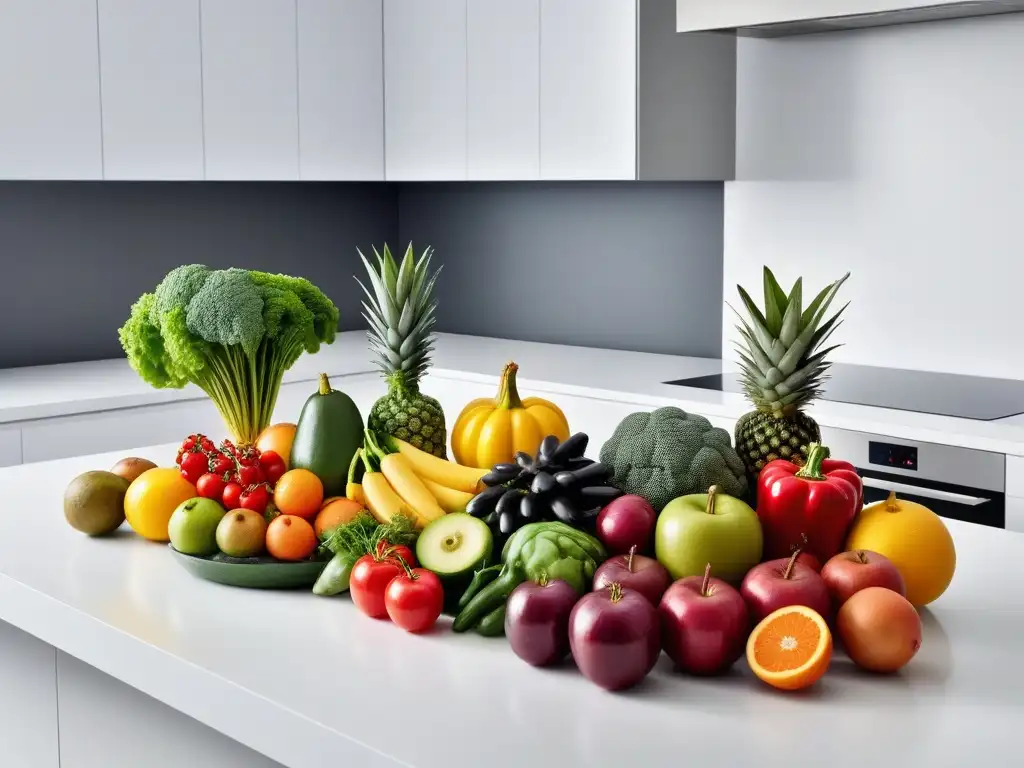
(401, 312)
(782, 360)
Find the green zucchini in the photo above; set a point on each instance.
(329, 432)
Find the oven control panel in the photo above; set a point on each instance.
(893, 456)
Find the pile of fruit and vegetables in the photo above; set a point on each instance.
(673, 541)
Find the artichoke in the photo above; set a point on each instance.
(667, 453)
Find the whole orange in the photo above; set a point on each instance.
(152, 498)
(299, 492)
(880, 629)
(277, 438)
(337, 512)
(290, 538)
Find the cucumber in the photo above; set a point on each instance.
(329, 432)
(454, 546)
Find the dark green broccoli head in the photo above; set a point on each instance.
(667, 453)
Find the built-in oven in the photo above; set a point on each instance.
(958, 483)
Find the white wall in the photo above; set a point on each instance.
(897, 154)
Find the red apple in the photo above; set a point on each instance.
(614, 637)
(779, 583)
(537, 621)
(850, 572)
(644, 574)
(626, 522)
(704, 624)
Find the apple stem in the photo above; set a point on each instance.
(616, 591)
(707, 581)
(861, 556)
(543, 580)
(791, 564)
(890, 503)
(629, 559)
(712, 491)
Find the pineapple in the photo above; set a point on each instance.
(782, 371)
(401, 315)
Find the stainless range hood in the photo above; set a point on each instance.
(779, 18)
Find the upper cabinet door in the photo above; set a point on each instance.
(504, 89)
(341, 90)
(49, 90)
(588, 89)
(425, 90)
(250, 89)
(152, 90)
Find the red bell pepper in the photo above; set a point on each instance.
(809, 507)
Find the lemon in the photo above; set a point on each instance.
(914, 538)
(152, 498)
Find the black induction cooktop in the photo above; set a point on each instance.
(942, 394)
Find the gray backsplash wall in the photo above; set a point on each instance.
(619, 264)
(622, 265)
(75, 255)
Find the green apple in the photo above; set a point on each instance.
(704, 528)
(193, 526)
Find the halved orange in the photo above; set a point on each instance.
(791, 648)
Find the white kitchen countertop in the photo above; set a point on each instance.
(309, 681)
(47, 391)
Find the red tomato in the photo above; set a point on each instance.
(211, 486)
(414, 600)
(270, 457)
(368, 583)
(401, 551)
(194, 466)
(221, 464)
(256, 498)
(250, 476)
(232, 496)
(206, 444)
(188, 443)
(274, 472)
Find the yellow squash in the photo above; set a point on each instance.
(492, 431)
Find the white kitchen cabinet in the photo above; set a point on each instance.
(28, 701)
(588, 89)
(250, 89)
(146, 732)
(49, 90)
(1015, 514)
(10, 446)
(152, 90)
(341, 90)
(503, 96)
(425, 73)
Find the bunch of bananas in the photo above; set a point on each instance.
(391, 477)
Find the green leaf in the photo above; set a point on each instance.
(812, 310)
(406, 278)
(791, 319)
(771, 346)
(774, 303)
(825, 330)
(752, 310)
(390, 275)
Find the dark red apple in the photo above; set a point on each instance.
(850, 572)
(614, 637)
(626, 522)
(537, 621)
(778, 583)
(704, 624)
(644, 574)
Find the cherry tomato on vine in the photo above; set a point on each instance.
(211, 486)
(194, 466)
(273, 466)
(250, 475)
(256, 498)
(232, 497)
(413, 599)
(221, 464)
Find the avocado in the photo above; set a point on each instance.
(329, 431)
(94, 502)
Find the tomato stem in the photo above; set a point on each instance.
(405, 567)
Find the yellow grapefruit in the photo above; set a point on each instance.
(914, 538)
(152, 498)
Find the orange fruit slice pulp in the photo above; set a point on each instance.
(791, 648)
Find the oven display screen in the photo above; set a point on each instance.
(889, 455)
